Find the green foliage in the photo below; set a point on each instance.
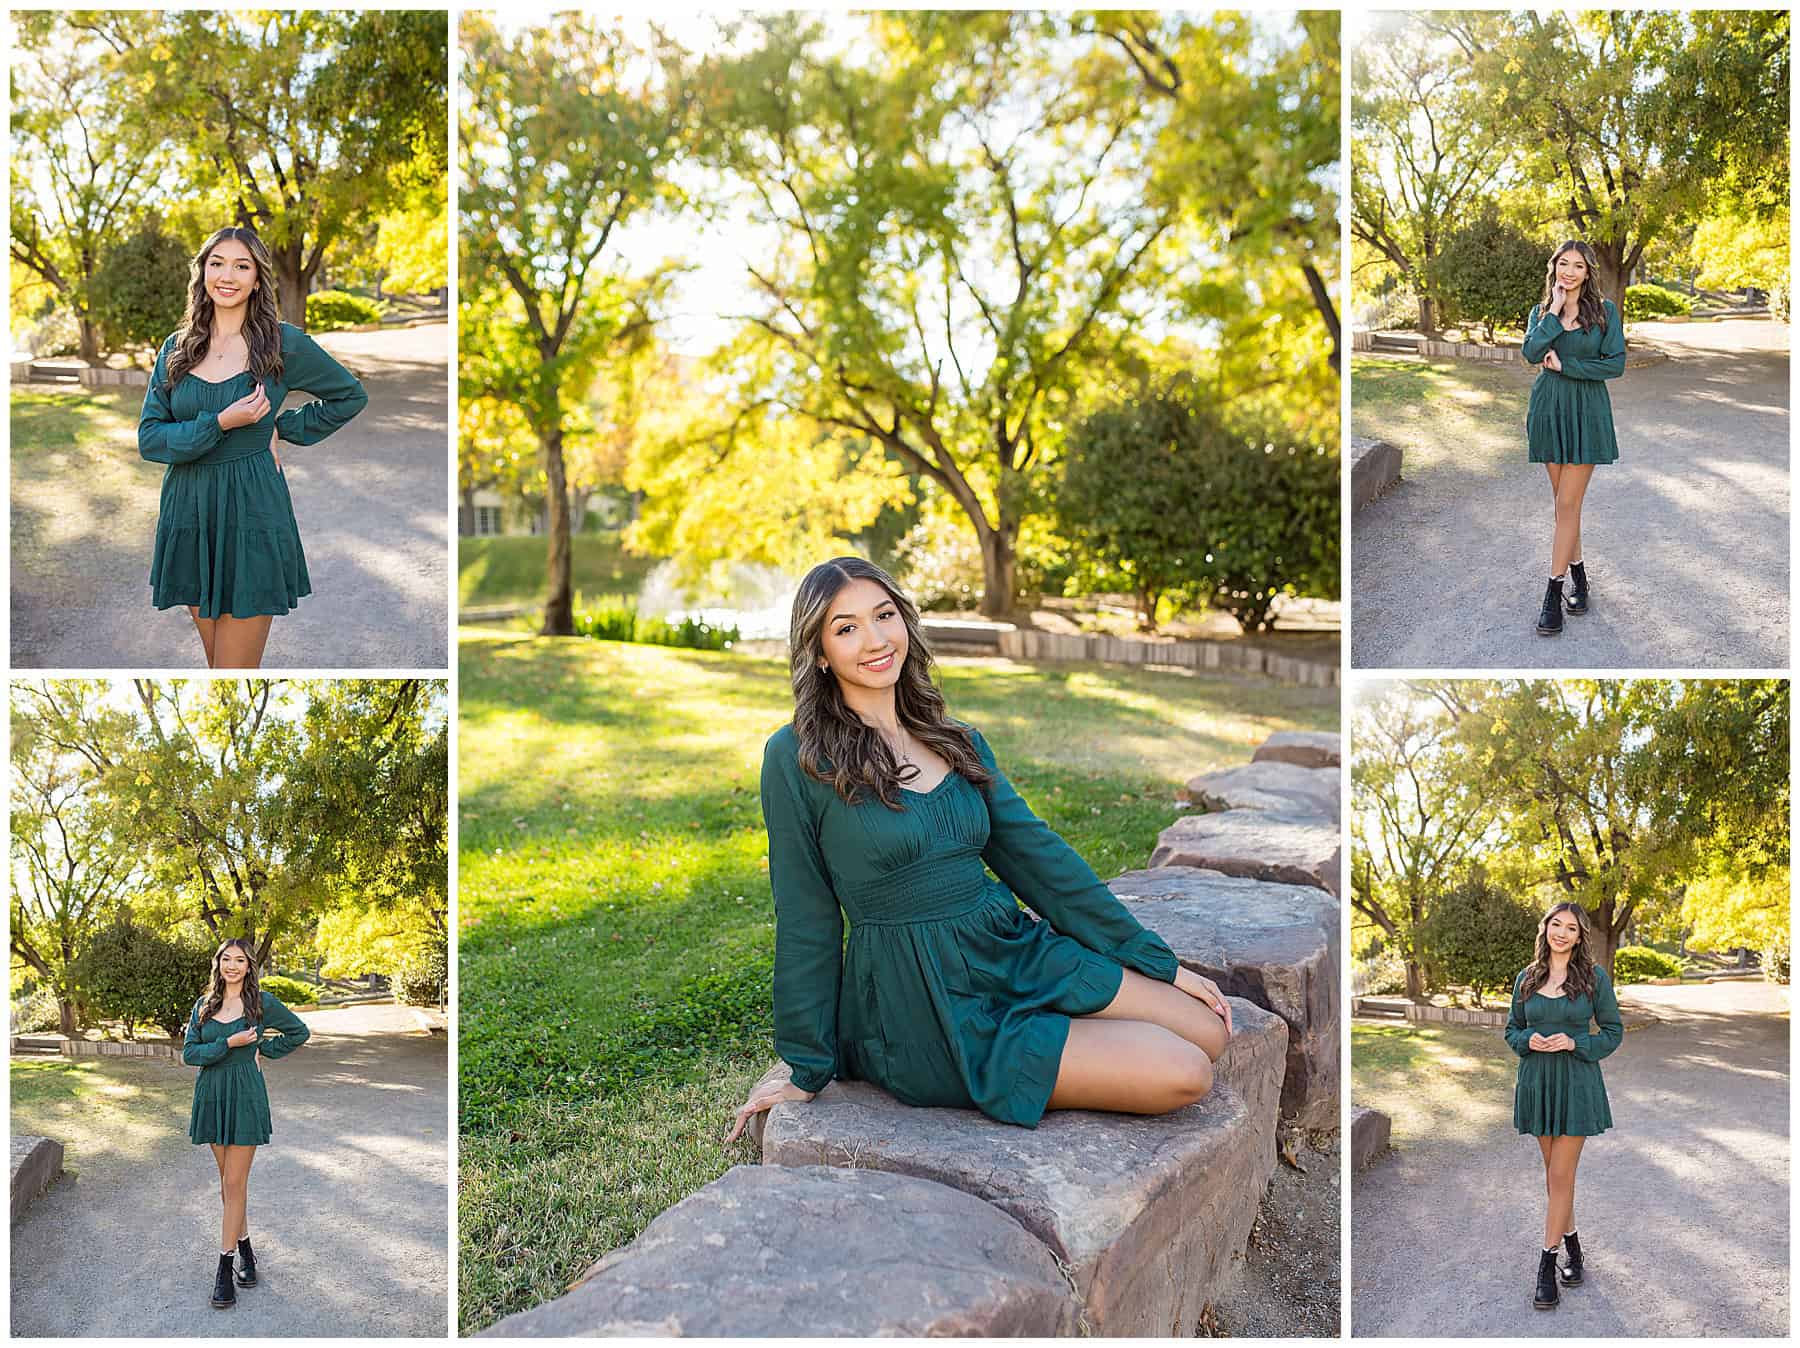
(420, 980)
(1730, 908)
(1653, 301)
(1486, 270)
(38, 1013)
(136, 974)
(140, 287)
(1639, 964)
(290, 990)
(938, 560)
(620, 623)
(329, 310)
(1477, 934)
(1777, 961)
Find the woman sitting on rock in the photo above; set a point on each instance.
(882, 808)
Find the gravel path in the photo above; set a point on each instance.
(373, 506)
(1686, 536)
(1682, 1207)
(348, 1209)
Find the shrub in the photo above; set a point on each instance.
(140, 287)
(1775, 961)
(938, 562)
(38, 1013)
(1639, 963)
(290, 990)
(1384, 972)
(137, 975)
(619, 623)
(420, 979)
(330, 309)
(1485, 271)
(1650, 301)
(1780, 304)
(1476, 934)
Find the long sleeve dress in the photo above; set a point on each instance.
(1562, 1094)
(226, 538)
(945, 993)
(1569, 418)
(231, 1103)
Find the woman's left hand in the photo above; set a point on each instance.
(1552, 360)
(1562, 1043)
(1205, 990)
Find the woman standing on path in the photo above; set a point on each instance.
(1580, 340)
(231, 1103)
(227, 545)
(880, 806)
(1560, 1098)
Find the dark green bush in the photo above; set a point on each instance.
(330, 309)
(1477, 935)
(1487, 272)
(1649, 301)
(619, 623)
(290, 990)
(420, 979)
(1639, 963)
(140, 288)
(140, 976)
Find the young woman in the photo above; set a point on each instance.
(230, 1027)
(881, 806)
(1579, 339)
(1560, 1098)
(227, 545)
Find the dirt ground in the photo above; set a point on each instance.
(1290, 1286)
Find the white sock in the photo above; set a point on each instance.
(226, 1254)
(1558, 580)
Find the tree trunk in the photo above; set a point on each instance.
(65, 1015)
(1427, 315)
(1610, 276)
(90, 340)
(1415, 982)
(559, 605)
(1321, 294)
(291, 276)
(999, 571)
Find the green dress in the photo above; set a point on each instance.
(1569, 419)
(226, 539)
(1561, 1094)
(945, 993)
(231, 1104)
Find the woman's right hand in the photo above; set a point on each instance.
(246, 411)
(764, 1096)
(1558, 297)
(243, 1037)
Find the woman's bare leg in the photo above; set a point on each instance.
(1164, 1004)
(1130, 1067)
(1570, 490)
(240, 641)
(1564, 1154)
(236, 1179)
(206, 627)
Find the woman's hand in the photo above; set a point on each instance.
(1552, 361)
(246, 411)
(766, 1095)
(1204, 990)
(243, 1037)
(1558, 298)
(275, 456)
(1561, 1043)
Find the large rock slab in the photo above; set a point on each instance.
(1282, 787)
(767, 1251)
(1146, 1214)
(1293, 849)
(1374, 467)
(1371, 1131)
(1274, 944)
(36, 1161)
(1302, 748)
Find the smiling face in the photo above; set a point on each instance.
(864, 637)
(229, 274)
(1570, 269)
(233, 965)
(1562, 931)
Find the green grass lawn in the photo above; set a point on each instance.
(617, 928)
(1460, 411)
(511, 570)
(94, 1105)
(1442, 1083)
(46, 419)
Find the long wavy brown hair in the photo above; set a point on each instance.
(252, 993)
(262, 315)
(1589, 311)
(1579, 981)
(836, 745)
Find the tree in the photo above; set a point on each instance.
(79, 167)
(140, 287)
(296, 117)
(567, 134)
(136, 974)
(70, 870)
(1477, 933)
(1485, 270)
(1414, 820)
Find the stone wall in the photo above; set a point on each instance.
(36, 1161)
(1019, 644)
(114, 1048)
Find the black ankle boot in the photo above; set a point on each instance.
(1571, 1266)
(224, 1294)
(1547, 1295)
(246, 1264)
(1550, 619)
(1577, 600)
